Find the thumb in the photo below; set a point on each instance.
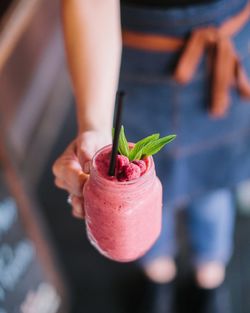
(84, 158)
(85, 152)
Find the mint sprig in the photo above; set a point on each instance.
(145, 147)
(155, 146)
(136, 152)
(123, 147)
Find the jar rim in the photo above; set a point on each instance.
(140, 179)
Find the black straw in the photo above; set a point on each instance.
(118, 116)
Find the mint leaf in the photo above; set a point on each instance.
(113, 132)
(156, 145)
(145, 147)
(123, 144)
(136, 152)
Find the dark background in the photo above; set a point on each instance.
(3, 6)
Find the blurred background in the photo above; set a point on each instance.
(46, 262)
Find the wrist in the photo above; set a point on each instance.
(94, 128)
(95, 120)
(105, 129)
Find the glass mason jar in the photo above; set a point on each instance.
(123, 219)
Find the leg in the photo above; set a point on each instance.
(210, 224)
(158, 263)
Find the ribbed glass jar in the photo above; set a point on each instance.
(123, 219)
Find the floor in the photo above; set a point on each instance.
(99, 285)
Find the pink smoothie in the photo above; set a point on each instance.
(123, 219)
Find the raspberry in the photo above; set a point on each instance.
(142, 165)
(131, 171)
(121, 176)
(121, 161)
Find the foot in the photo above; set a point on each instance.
(161, 270)
(210, 275)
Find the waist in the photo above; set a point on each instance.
(178, 22)
(166, 3)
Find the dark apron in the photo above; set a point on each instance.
(208, 153)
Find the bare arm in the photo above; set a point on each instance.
(92, 36)
(93, 46)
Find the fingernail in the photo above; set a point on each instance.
(86, 167)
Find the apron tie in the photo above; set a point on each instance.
(226, 68)
(217, 42)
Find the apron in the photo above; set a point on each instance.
(170, 91)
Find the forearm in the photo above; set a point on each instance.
(93, 46)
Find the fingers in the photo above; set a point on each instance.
(70, 177)
(60, 183)
(68, 172)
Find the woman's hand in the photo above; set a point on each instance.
(71, 169)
